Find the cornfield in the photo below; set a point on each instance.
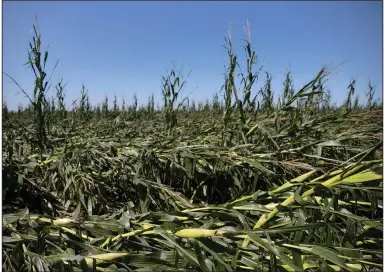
(240, 184)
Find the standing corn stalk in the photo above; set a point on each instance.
(351, 91)
(229, 85)
(251, 77)
(171, 88)
(34, 60)
(105, 106)
(267, 94)
(247, 82)
(60, 100)
(38, 103)
(370, 94)
(83, 103)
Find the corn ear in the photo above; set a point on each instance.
(105, 257)
(63, 221)
(198, 233)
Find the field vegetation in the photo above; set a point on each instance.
(238, 183)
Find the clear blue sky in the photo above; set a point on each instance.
(124, 48)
